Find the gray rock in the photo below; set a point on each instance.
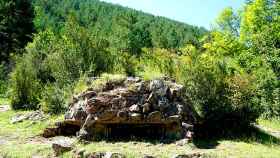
(122, 115)
(175, 118)
(135, 117)
(155, 116)
(182, 142)
(163, 104)
(132, 101)
(107, 115)
(146, 108)
(106, 155)
(4, 108)
(187, 126)
(33, 116)
(176, 91)
(88, 94)
(62, 145)
(192, 155)
(134, 108)
(79, 153)
(158, 87)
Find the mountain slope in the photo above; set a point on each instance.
(124, 28)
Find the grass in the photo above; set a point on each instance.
(16, 149)
(135, 149)
(14, 137)
(273, 124)
(243, 149)
(4, 101)
(15, 142)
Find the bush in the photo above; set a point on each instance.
(3, 81)
(25, 88)
(53, 99)
(53, 61)
(223, 93)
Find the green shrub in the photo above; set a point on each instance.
(25, 87)
(53, 99)
(56, 61)
(222, 92)
(3, 81)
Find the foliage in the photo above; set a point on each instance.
(125, 29)
(260, 30)
(16, 26)
(3, 81)
(53, 99)
(58, 60)
(25, 87)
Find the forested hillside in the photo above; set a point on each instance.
(125, 29)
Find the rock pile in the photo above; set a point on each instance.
(33, 116)
(129, 108)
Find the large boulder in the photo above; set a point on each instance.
(131, 106)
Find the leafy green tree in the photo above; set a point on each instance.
(228, 21)
(260, 29)
(16, 26)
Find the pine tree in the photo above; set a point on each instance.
(16, 26)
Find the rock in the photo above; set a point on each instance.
(61, 146)
(122, 115)
(155, 116)
(134, 108)
(33, 116)
(79, 153)
(189, 135)
(84, 135)
(134, 117)
(107, 115)
(131, 80)
(175, 118)
(158, 87)
(146, 108)
(96, 155)
(4, 108)
(50, 132)
(131, 105)
(18, 118)
(163, 104)
(182, 142)
(152, 100)
(106, 155)
(77, 111)
(187, 126)
(176, 90)
(141, 87)
(180, 109)
(88, 94)
(192, 155)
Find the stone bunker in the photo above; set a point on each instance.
(129, 108)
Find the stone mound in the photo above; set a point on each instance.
(129, 108)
